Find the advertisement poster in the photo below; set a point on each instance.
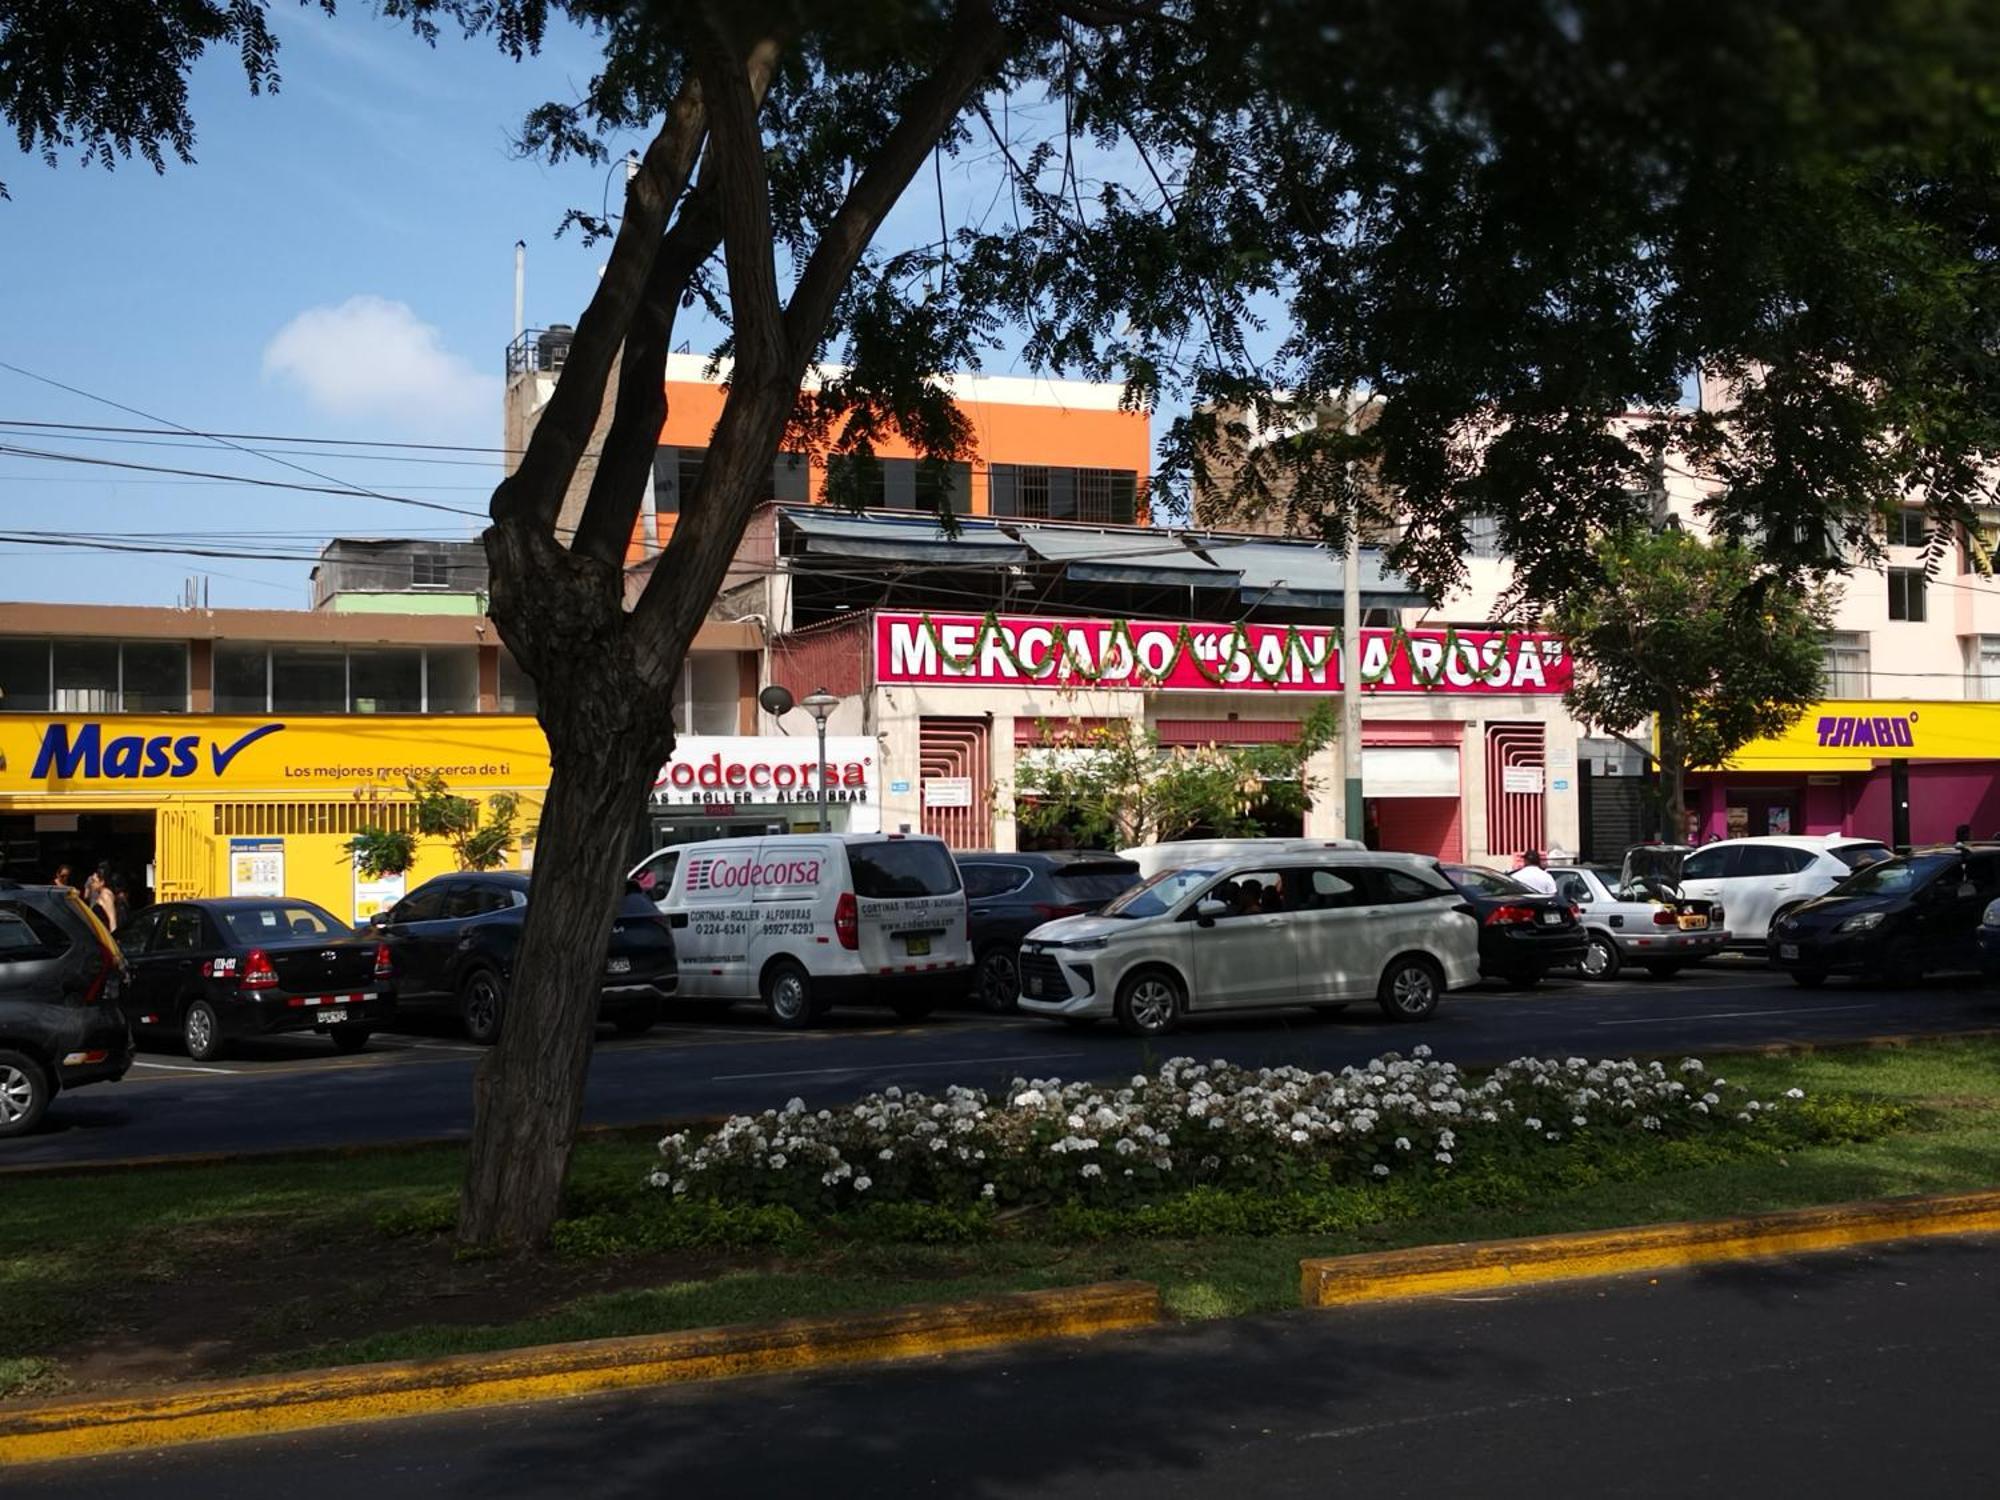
(1781, 819)
(372, 896)
(256, 867)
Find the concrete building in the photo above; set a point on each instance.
(400, 576)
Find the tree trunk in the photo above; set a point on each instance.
(609, 729)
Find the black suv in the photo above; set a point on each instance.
(60, 981)
(1010, 895)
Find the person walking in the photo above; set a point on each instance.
(1533, 876)
(63, 878)
(97, 896)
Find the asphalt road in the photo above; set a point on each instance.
(1836, 1375)
(292, 1092)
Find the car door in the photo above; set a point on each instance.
(995, 894)
(181, 955)
(1333, 909)
(1767, 877)
(139, 999)
(416, 934)
(1249, 955)
(1710, 874)
(1949, 911)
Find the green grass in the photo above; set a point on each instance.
(83, 1256)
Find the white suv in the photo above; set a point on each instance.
(1758, 878)
(1281, 929)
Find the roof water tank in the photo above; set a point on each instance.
(552, 348)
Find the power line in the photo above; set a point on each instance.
(253, 437)
(32, 429)
(351, 493)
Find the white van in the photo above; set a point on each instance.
(1153, 858)
(805, 922)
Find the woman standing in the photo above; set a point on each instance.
(97, 896)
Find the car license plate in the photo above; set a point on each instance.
(1551, 919)
(330, 1017)
(917, 947)
(1788, 950)
(618, 966)
(1693, 922)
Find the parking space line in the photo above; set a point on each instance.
(182, 1067)
(445, 1047)
(950, 1062)
(1732, 1015)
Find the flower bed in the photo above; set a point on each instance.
(1191, 1125)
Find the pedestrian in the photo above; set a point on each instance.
(1963, 835)
(121, 902)
(1533, 876)
(63, 878)
(97, 896)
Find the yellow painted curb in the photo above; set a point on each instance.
(1431, 1270)
(367, 1393)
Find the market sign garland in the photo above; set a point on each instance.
(993, 649)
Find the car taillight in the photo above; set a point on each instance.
(847, 921)
(1576, 914)
(384, 964)
(1664, 918)
(1050, 913)
(257, 971)
(1508, 916)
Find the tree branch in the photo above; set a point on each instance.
(743, 198)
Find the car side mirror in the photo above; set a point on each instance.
(1206, 912)
(379, 920)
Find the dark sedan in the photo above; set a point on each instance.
(1522, 935)
(1908, 917)
(452, 943)
(216, 970)
(1010, 895)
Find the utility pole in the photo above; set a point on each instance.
(1350, 654)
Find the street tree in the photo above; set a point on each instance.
(1703, 641)
(1510, 226)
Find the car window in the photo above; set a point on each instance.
(1860, 856)
(27, 935)
(1476, 881)
(471, 898)
(1161, 893)
(137, 933)
(280, 920)
(1717, 862)
(914, 867)
(1983, 870)
(1253, 893)
(1766, 862)
(1389, 885)
(181, 931)
(1093, 885)
(984, 881)
(1894, 877)
(657, 873)
(1330, 890)
(424, 904)
(1572, 886)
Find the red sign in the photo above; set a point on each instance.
(1149, 655)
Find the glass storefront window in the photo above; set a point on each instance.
(156, 677)
(24, 676)
(452, 685)
(517, 688)
(385, 681)
(308, 680)
(242, 683)
(86, 677)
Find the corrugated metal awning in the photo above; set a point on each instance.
(1137, 556)
(918, 539)
(1299, 575)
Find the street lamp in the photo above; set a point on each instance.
(821, 704)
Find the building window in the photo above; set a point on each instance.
(517, 688)
(1844, 664)
(308, 680)
(926, 484)
(242, 679)
(451, 680)
(1041, 492)
(676, 469)
(1906, 594)
(1909, 527)
(708, 692)
(86, 677)
(385, 681)
(1979, 548)
(429, 570)
(24, 676)
(333, 680)
(94, 677)
(1982, 667)
(153, 677)
(1482, 536)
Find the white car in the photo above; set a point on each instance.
(1288, 929)
(1153, 858)
(804, 922)
(1756, 880)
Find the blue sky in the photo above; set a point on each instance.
(336, 264)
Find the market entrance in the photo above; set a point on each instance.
(33, 846)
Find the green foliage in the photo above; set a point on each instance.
(1115, 785)
(701, 1226)
(377, 852)
(479, 838)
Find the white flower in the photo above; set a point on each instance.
(887, 1153)
(1532, 1123)
(777, 1161)
(1445, 1157)
(1578, 1120)
(1402, 1143)
(863, 1184)
(1795, 1093)
(986, 1191)
(1381, 1170)
(1091, 1169)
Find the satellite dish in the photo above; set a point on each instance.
(777, 701)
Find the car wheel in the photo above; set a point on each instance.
(201, 1031)
(481, 1005)
(1809, 979)
(24, 1093)
(788, 996)
(1149, 1003)
(1663, 971)
(1410, 989)
(998, 985)
(1600, 958)
(913, 1007)
(635, 1022)
(350, 1038)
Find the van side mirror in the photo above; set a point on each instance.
(1206, 912)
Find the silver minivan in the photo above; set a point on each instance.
(1284, 929)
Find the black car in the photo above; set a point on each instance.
(452, 942)
(1522, 935)
(217, 970)
(1906, 917)
(60, 981)
(1010, 895)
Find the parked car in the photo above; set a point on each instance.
(61, 978)
(1522, 935)
(211, 972)
(1241, 934)
(452, 942)
(1153, 858)
(804, 922)
(1903, 918)
(1639, 918)
(1010, 895)
(1755, 880)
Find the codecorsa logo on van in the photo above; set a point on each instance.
(723, 874)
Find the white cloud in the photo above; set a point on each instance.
(370, 357)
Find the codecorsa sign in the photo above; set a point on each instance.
(1151, 655)
(771, 770)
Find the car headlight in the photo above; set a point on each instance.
(1084, 945)
(1868, 921)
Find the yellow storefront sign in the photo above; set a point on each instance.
(151, 758)
(1847, 735)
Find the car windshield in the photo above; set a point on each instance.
(280, 919)
(1860, 856)
(1161, 894)
(1475, 881)
(1893, 877)
(1093, 885)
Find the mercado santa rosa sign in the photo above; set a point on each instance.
(1151, 655)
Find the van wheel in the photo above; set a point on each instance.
(481, 1003)
(1600, 958)
(1149, 1003)
(787, 991)
(24, 1093)
(201, 1031)
(1410, 988)
(1663, 970)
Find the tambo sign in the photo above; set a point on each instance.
(765, 770)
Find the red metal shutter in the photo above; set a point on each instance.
(951, 750)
